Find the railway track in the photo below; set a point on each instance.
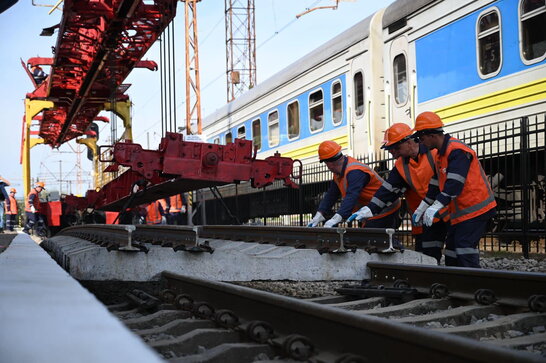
(193, 239)
(403, 313)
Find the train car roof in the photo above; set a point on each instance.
(354, 34)
(402, 8)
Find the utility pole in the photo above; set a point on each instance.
(240, 47)
(60, 177)
(193, 87)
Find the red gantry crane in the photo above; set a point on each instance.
(100, 42)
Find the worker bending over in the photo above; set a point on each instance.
(412, 172)
(462, 186)
(356, 183)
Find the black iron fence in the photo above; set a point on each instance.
(512, 154)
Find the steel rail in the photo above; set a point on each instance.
(304, 237)
(486, 286)
(335, 240)
(336, 330)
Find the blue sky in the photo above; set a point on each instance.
(280, 40)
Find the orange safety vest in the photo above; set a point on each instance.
(476, 197)
(367, 193)
(417, 175)
(153, 216)
(13, 206)
(36, 201)
(176, 203)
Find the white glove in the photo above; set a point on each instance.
(362, 213)
(32, 209)
(416, 217)
(431, 212)
(316, 220)
(183, 209)
(333, 221)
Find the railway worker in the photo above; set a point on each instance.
(156, 212)
(177, 210)
(38, 74)
(413, 169)
(356, 183)
(11, 210)
(32, 206)
(462, 186)
(3, 198)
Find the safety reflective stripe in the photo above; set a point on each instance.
(408, 176)
(450, 253)
(434, 181)
(456, 177)
(446, 195)
(378, 202)
(461, 212)
(389, 187)
(429, 200)
(430, 159)
(466, 251)
(431, 244)
(365, 166)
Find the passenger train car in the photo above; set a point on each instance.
(474, 62)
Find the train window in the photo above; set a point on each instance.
(316, 110)
(293, 112)
(489, 49)
(533, 30)
(216, 140)
(337, 103)
(400, 79)
(273, 127)
(358, 81)
(241, 133)
(257, 134)
(229, 138)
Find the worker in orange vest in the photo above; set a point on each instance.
(32, 206)
(156, 212)
(355, 183)
(177, 210)
(11, 210)
(3, 198)
(413, 169)
(462, 186)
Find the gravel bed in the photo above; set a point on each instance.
(311, 289)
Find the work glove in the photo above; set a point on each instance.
(416, 217)
(333, 221)
(316, 220)
(183, 209)
(32, 209)
(362, 213)
(431, 212)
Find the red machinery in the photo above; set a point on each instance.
(99, 43)
(180, 166)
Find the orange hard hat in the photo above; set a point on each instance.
(40, 184)
(13, 190)
(328, 150)
(396, 133)
(427, 120)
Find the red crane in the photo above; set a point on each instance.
(99, 43)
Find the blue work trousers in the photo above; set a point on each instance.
(432, 240)
(462, 242)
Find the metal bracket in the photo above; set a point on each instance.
(129, 247)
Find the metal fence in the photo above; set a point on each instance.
(512, 154)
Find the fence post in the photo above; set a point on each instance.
(525, 185)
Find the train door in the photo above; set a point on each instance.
(401, 90)
(358, 109)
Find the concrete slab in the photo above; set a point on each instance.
(47, 316)
(231, 261)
